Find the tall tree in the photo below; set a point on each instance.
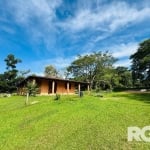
(50, 71)
(141, 64)
(10, 75)
(3, 84)
(123, 77)
(91, 67)
(11, 62)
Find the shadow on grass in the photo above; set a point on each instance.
(143, 97)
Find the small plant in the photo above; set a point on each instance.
(32, 89)
(57, 97)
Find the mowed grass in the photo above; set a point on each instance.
(87, 123)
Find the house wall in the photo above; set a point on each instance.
(61, 87)
(21, 90)
(44, 87)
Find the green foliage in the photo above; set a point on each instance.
(3, 84)
(141, 64)
(57, 97)
(8, 80)
(92, 68)
(122, 78)
(11, 62)
(50, 71)
(32, 88)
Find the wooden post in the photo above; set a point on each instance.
(27, 99)
(33, 82)
(67, 87)
(88, 87)
(53, 87)
(79, 87)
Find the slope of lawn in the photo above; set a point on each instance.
(83, 123)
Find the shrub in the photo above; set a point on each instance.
(32, 89)
(57, 97)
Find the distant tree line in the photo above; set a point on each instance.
(97, 68)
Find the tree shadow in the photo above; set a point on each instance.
(138, 96)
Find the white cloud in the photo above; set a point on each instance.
(107, 17)
(37, 67)
(61, 62)
(26, 11)
(37, 18)
(125, 14)
(58, 62)
(123, 50)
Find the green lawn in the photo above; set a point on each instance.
(88, 123)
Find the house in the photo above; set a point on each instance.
(51, 85)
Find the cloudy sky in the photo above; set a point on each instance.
(43, 32)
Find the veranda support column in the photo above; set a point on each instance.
(53, 87)
(88, 87)
(33, 81)
(79, 88)
(67, 87)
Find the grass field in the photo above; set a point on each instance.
(88, 123)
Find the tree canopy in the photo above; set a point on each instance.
(11, 62)
(9, 78)
(50, 71)
(92, 68)
(141, 64)
(122, 77)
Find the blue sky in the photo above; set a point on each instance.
(43, 32)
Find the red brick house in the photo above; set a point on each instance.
(50, 85)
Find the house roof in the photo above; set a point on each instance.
(53, 78)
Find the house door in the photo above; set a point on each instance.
(49, 87)
(55, 88)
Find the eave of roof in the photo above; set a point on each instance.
(56, 79)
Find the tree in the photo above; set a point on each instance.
(141, 64)
(50, 71)
(92, 67)
(10, 76)
(123, 77)
(3, 84)
(32, 88)
(11, 62)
